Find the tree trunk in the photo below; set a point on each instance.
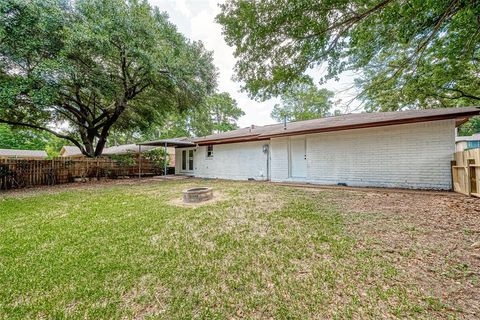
(102, 140)
(100, 146)
(89, 147)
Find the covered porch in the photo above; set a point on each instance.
(182, 142)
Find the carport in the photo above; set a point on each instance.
(175, 142)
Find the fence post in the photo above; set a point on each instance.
(453, 163)
(472, 177)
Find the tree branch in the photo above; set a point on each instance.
(67, 115)
(349, 21)
(462, 94)
(32, 126)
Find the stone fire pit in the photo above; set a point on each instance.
(197, 195)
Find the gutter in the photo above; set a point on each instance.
(463, 116)
(371, 125)
(232, 140)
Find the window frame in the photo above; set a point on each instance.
(184, 160)
(209, 153)
(190, 160)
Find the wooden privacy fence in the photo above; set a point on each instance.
(466, 172)
(25, 173)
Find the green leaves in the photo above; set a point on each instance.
(96, 65)
(420, 54)
(469, 128)
(28, 140)
(303, 102)
(218, 113)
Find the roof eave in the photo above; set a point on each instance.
(462, 116)
(161, 143)
(231, 140)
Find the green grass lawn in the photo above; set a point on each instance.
(127, 251)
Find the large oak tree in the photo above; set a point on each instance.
(408, 53)
(79, 68)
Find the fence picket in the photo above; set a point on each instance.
(17, 173)
(466, 172)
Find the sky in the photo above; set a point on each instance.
(196, 20)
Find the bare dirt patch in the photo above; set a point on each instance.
(431, 237)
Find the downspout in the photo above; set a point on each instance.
(266, 150)
(268, 163)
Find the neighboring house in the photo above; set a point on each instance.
(467, 142)
(22, 154)
(74, 152)
(70, 152)
(408, 149)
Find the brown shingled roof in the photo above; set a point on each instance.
(249, 132)
(342, 122)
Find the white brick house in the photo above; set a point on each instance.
(408, 149)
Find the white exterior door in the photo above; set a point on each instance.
(298, 157)
(187, 160)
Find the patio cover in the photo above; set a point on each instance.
(175, 142)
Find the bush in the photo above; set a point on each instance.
(157, 156)
(124, 159)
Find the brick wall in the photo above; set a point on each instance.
(411, 156)
(279, 158)
(236, 161)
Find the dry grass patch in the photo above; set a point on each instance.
(74, 186)
(146, 299)
(429, 237)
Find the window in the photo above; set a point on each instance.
(184, 159)
(190, 160)
(210, 151)
(473, 144)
